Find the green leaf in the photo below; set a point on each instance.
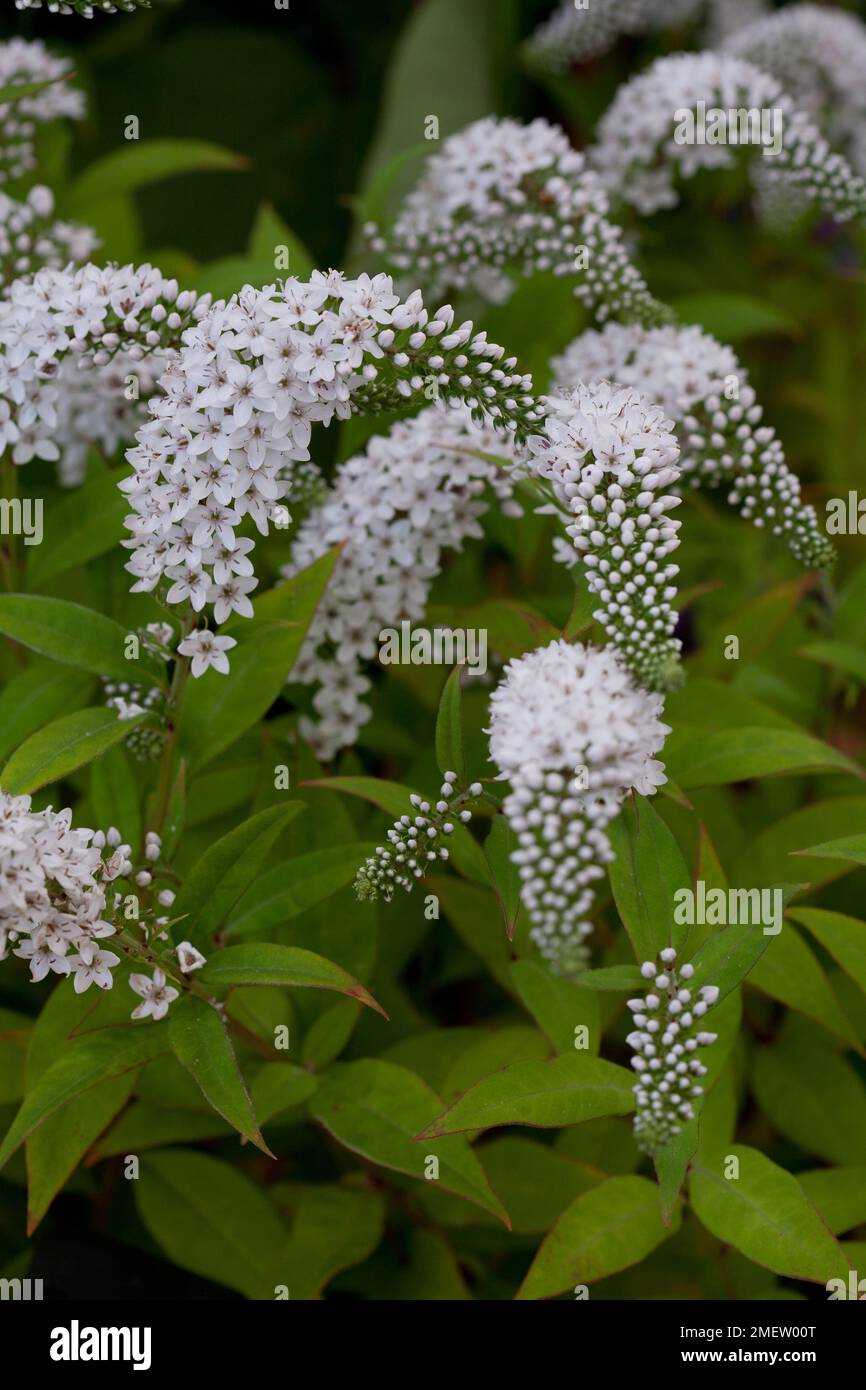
(201, 1043)
(333, 1228)
(535, 1183)
(646, 873)
(711, 759)
(612, 978)
(764, 1214)
(293, 601)
(466, 854)
(844, 938)
(814, 1097)
(839, 1194)
(74, 636)
(280, 1086)
(262, 963)
(498, 849)
(614, 1225)
(329, 1034)
(449, 728)
(727, 957)
(227, 869)
(490, 1053)
(145, 1126)
(83, 525)
(217, 709)
(211, 1219)
(376, 1109)
(143, 162)
(563, 1091)
(297, 884)
(270, 233)
(63, 746)
(114, 794)
(851, 848)
(842, 656)
(731, 317)
(789, 972)
(37, 695)
(84, 1063)
(14, 91)
(558, 1006)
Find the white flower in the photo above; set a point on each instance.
(665, 1042)
(22, 62)
(207, 650)
(189, 958)
(92, 967)
(701, 385)
(85, 8)
(156, 995)
(502, 198)
(29, 239)
(573, 733)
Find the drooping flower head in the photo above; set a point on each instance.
(417, 842)
(413, 493)
(649, 138)
(702, 386)
(612, 460)
(572, 732)
(23, 63)
(504, 197)
(818, 54)
(666, 1039)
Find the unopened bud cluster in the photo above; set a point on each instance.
(666, 1039)
(417, 842)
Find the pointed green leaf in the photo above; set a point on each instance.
(558, 1006)
(62, 747)
(74, 636)
(262, 963)
(201, 1043)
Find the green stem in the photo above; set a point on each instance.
(173, 707)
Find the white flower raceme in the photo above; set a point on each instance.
(52, 891)
(417, 842)
(819, 57)
(79, 349)
(666, 1038)
(22, 63)
(639, 159)
(241, 397)
(30, 238)
(702, 386)
(573, 734)
(612, 460)
(414, 493)
(504, 197)
(575, 33)
(86, 8)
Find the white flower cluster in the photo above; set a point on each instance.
(52, 892)
(107, 320)
(417, 842)
(665, 1041)
(22, 63)
(240, 400)
(573, 733)
(29, 239)
(575, 33)
(412, 494)
(612, 460)
(639, 159)
(86, 8)
(726, 17)
(505, 197)
(701, 385)
(819, 57)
